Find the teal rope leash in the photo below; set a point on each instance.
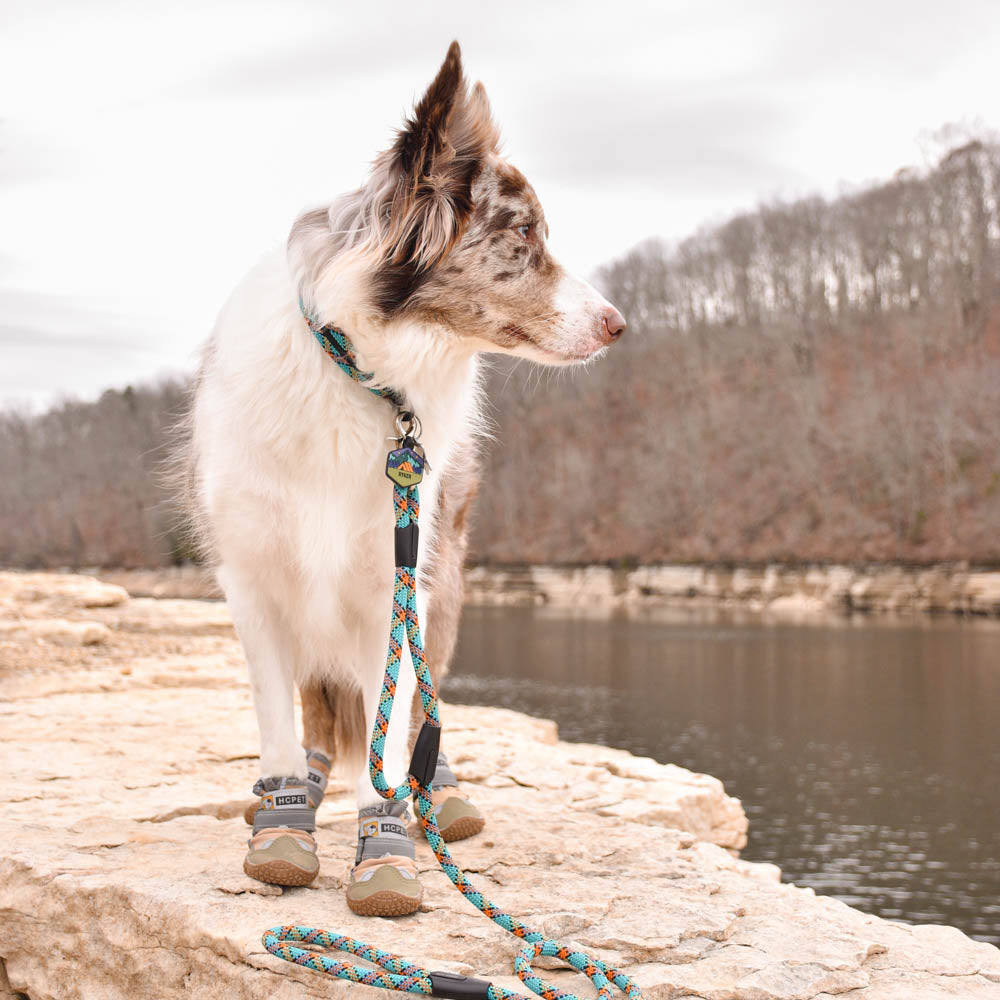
(405, 466)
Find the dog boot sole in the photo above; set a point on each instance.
(284, 861)
(279, 873)
(386, 893)
(385, 904)
(462, 828)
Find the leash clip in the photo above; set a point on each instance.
(407, 426)
(406, 464)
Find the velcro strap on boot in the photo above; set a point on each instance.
(381, 831)
(283, 802)
(317, 776)
(444, 777)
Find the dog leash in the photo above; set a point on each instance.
(405, 466)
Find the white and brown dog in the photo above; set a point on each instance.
(440, 257)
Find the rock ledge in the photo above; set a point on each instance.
(122, 840)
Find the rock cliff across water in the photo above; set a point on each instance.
(779, 591)
(775, 590)
(129, 743)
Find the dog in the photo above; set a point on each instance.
(439, 258)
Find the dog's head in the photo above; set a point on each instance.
(455, 235)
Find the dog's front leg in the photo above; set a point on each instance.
(269, 662)
(282, 849)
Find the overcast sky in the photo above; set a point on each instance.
(150, 152)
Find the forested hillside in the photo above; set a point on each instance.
(83, 484)
(816, 380)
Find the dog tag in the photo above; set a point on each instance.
(405, 467)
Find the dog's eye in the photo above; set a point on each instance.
(525, 231)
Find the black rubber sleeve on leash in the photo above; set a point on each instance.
(456, 987)
(407, 540)
(423, 763)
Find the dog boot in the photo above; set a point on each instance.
(317, 776)
(282, 850)
(384, 880)
(457, 818)
(316, 779)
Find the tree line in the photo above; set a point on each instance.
(83, 484)
(815, 380)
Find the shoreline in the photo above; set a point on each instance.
(778, 590)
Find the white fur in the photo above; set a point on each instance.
(291, 455)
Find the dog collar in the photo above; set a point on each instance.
(335, 342)
(405, 464)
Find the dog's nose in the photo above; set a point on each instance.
(612, 325)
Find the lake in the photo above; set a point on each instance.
(865, 751)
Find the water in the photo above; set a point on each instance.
(866, 753)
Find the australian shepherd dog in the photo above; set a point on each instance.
(440, 257)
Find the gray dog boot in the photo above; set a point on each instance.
(316, 779)
(317, 776)
(456, 817)
(384, 881)
(282, 850)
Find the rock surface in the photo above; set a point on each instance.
(122, 839)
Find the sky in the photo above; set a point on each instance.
(151, 152)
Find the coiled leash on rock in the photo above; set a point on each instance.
(405, 466)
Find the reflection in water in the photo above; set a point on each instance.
(865, 753)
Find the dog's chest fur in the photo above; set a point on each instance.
(291, 457)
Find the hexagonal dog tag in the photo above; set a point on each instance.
(405, 467)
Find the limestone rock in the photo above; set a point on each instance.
(982, 591)
(121, 851)
(57, 630)
(60, 590)
(191, 582)
(572, 586)
(797, 605)
(779, 590)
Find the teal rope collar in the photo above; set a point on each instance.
(404, 467)
(334, 341)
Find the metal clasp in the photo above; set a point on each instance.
(408, 431)
(408, 425)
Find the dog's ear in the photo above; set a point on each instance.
(422, 143)
(434, 161)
